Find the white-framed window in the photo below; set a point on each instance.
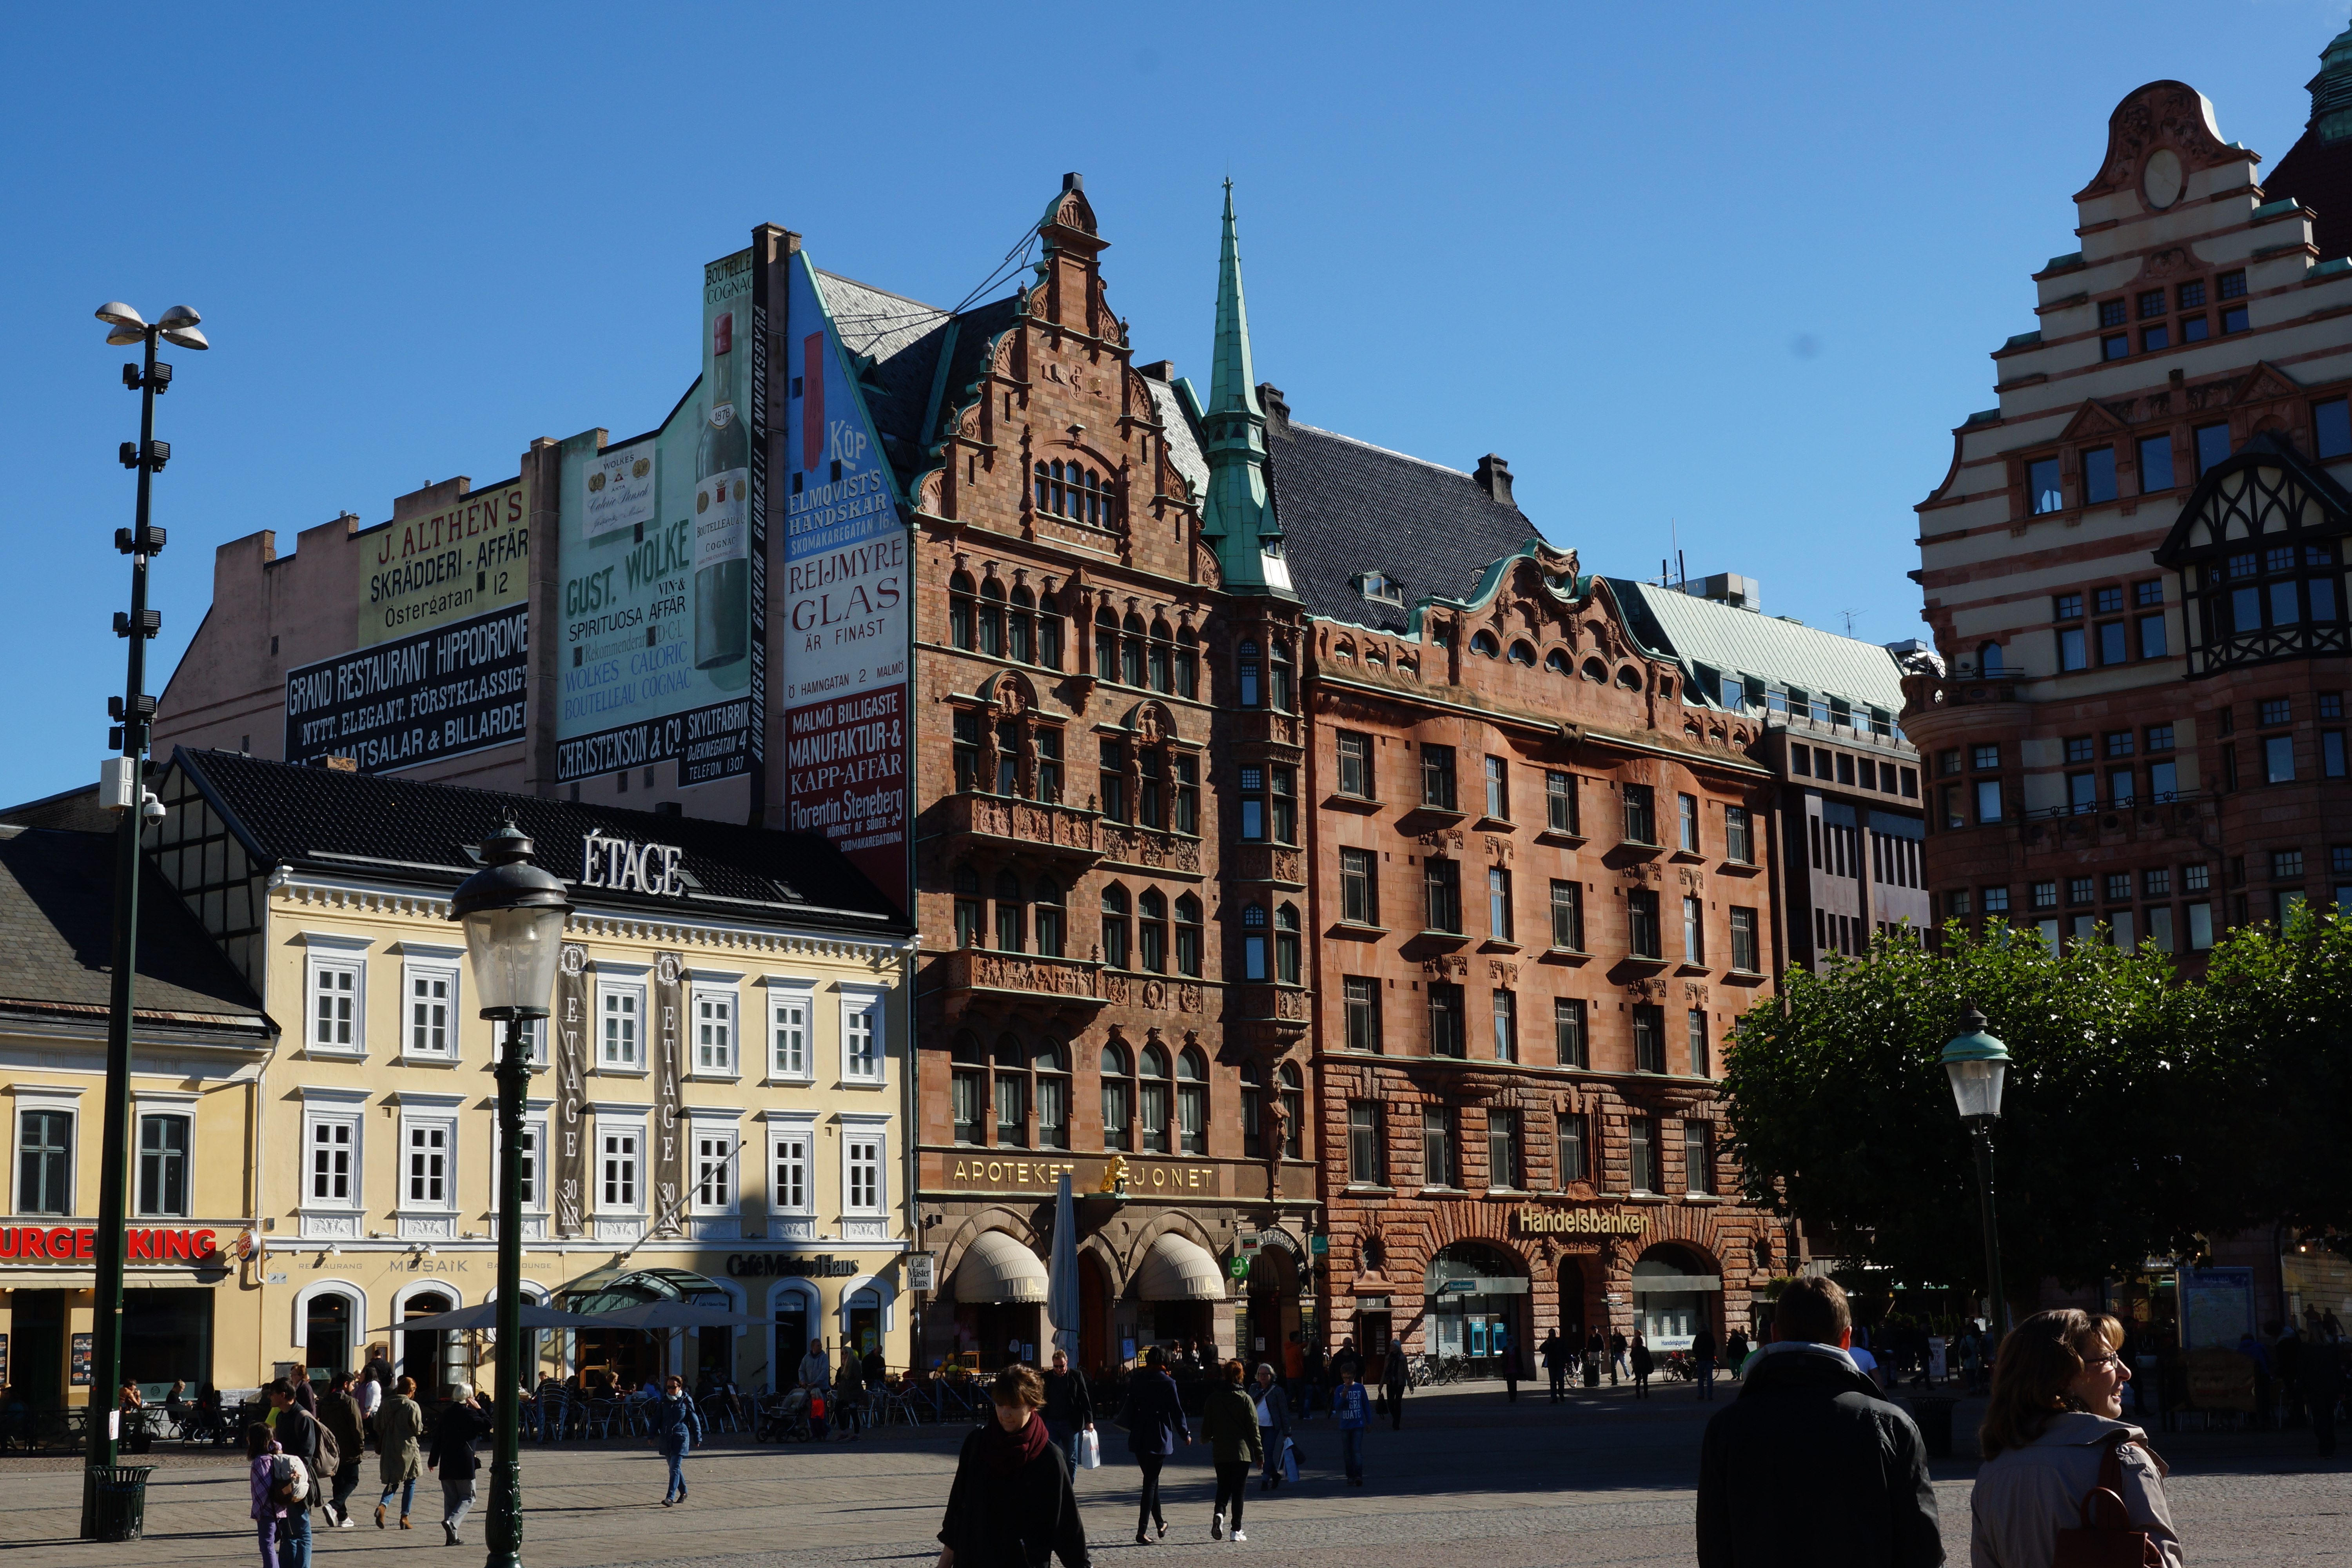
(864, 1165)
(713, 1039)
(712, 1148)
(533, 1164)
(164, 1184)
(331, 1159)
(334, 995)
(789, 1011)
(620, 1027)
(428, 1163)
(620, 1168)
(534, 1041)
(44, 1155)
(428, 1011)
(863, 1042)
(792, 1147)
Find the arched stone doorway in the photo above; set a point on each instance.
(1273, 1307)
(1677, 1290)
(1477, 1295)
(1571, 1287)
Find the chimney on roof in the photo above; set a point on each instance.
(343, 765)
(1158, 370)
(1495, 478)
(1073, 181)
(1277, 410)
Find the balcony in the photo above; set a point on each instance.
(1026, 830)
(1170, 854)
(1267, 1015)
(1028, 985)
(1268, 863)
(1932, 704)
(1263, 727)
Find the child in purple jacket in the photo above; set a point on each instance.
(268, 1512)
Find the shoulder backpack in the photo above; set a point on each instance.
(330, 1452)
(2107, 1538)
(289, 1483)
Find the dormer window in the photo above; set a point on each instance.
(1381, 586)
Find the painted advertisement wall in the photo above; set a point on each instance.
(846, 635)
(451, 564)
(661, 657)
(443, 692)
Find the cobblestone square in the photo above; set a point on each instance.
(1470, 1481)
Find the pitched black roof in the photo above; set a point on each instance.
(408, 830)
(901, 339)
(1347, 506)
(56, 942)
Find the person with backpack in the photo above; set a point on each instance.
(399, 1423)
(339, 1413)
(680, 1425)
(2053, 1439)
(461, 1424)
(1353, 1407)
(268, 1513)
(300, 1439)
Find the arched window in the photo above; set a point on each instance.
(1131, 665)
(1286, 686)
(1595, 670)
(1008, 757)
(1293, 1111)
(960, 617)
(1253, 1112)
(1011, 918)
(1106, 645)
(1523, 653)
(1163, 658)
(1253, 934)
(1117, 1099)
(1049, 918)
(1188, 663)
(1094, 499)
(1344, 652)
(1154, 1101)
(1187, 935)
(1484, 645)
(966, 882)
(1629, 679)
(1044, 489)
(1152, 931)
(1246, 672)
(1285, 944)
(1053, 1095)
(1408, 664)
(1557, 661)
(1020, 628)
(1011, 1093)
(970, 1087)
(1192, 1101)
(1114, 926)
(1988, 658)
(992, 618)
(1049, 634)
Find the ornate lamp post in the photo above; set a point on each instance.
(513, 914)
(1979, 1066)
(122, 790)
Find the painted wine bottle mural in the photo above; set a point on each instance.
(723, 541)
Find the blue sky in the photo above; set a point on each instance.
(1725, 274)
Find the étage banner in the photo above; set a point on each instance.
(661, 537)
(847, 625)
(669, 1073)
(572, 1028)
(456, 689)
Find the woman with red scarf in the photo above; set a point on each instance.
(1011, 1506)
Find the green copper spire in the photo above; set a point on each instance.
(1237, 515)
(2331, 89)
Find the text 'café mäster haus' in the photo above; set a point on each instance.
(1274, 833)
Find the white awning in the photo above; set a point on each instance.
(1175, 1269)
(997, 1269)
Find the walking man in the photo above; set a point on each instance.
(1616, 1357)
(1555, 1360)
(1703, 1359)
(1396, 1382)
(1808, 1465)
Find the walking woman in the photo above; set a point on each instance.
(268, 1513)
(2052, 1434)
(1273, 1412)
(1229, 1424)
(680, 1425)
(399, 1423)
(1011, 1506)
(1154, 1419)
(461, 1424)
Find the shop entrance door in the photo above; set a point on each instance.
(37, 1345)
(327, 1331)
(864, 1317)
(791, 1342)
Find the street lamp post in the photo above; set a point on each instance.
(1977, 1065)
(513, 914)
(123, 789)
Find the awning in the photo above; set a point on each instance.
(1175, 1269)
(87, 1279)
(996, 1271)
(1663, 1284)
(616, 1286)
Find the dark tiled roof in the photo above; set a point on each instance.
(74, 811)
(1346, 507)
(2319, 176)
(57, 938)
(404, 830)
(903, 338)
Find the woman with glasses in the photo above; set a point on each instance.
(2053, 1435)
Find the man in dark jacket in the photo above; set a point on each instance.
(1808, 1466)
(1069, 1409)
(1702, 1354)
(1555, 1360)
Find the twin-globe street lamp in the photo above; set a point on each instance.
(513, 914)
(1977, 1065)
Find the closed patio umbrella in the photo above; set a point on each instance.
(1062, 1272)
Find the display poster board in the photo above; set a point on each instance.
(2217, 1308)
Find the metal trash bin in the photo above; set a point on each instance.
(1933, 1412)
(120, 1492)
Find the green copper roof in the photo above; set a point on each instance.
(2331, 89)
(1237, 516)
(1780, 653)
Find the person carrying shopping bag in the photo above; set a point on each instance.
(677, 1427)
(1273, 1426)
(1229, 1422)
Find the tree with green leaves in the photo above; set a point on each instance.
(1840, 1112)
